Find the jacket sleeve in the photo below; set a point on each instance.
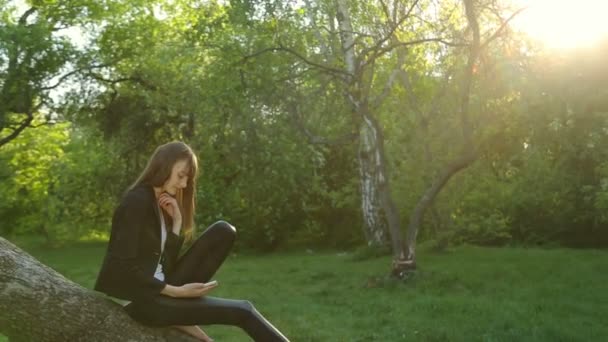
(127, 225)
(172, 247)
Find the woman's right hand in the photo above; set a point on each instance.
(169, 203)
(193, 290)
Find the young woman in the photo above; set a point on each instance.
(142, 263)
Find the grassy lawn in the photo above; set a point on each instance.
(467, 294)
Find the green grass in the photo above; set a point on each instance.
(467, 294)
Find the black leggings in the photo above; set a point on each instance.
(198, 265)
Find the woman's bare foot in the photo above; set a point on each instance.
(194, 330)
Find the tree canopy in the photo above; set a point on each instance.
(331, 124)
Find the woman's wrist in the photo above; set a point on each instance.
(177, 227)
(170, 290)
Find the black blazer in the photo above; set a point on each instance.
(133, 252)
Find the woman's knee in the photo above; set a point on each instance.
(246, 309)
(224, 228)
(247, 305)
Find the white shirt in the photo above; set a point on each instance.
(163, 238)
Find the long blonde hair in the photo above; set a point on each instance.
(158, 171)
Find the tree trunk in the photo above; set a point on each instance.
(428, 198)
(377, 206)
(371, 171)
(469, 154)
(388, 205)
(39, 304)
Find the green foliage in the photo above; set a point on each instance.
(493, 229)
(208, 73)
(59, 184)
(27, 177)
(599, 195)
(87, 185)
(36, 57)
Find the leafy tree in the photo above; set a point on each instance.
(27, 177)
(36, 58)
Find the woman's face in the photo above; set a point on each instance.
(179, 177)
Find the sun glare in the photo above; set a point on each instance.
(564, 23)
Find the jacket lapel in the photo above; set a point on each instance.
(155, 207)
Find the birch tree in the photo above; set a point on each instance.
(366, 56)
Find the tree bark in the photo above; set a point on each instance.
(377, 206)
(372, 175)
(39, 304)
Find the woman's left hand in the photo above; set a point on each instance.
(169, 204)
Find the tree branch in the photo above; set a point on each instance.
(294, 109)
(376, 102)
(282, 48)
(378, 53)
(468, 77)
(313, 21)
(23, 19)
(25, 123)
(114, 81)
(501, 28)
(73, 72)
(382, 40)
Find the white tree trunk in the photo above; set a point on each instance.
(39, 304)
(371, 176)
(346, 35)
(371, 168)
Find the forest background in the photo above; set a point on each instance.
(318, 124)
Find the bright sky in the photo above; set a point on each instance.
(564, 23)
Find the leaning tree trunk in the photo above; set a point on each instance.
(469, 153)
(39, 304)
(427, 199)
(389, 208)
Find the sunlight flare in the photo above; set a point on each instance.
(562, 23)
